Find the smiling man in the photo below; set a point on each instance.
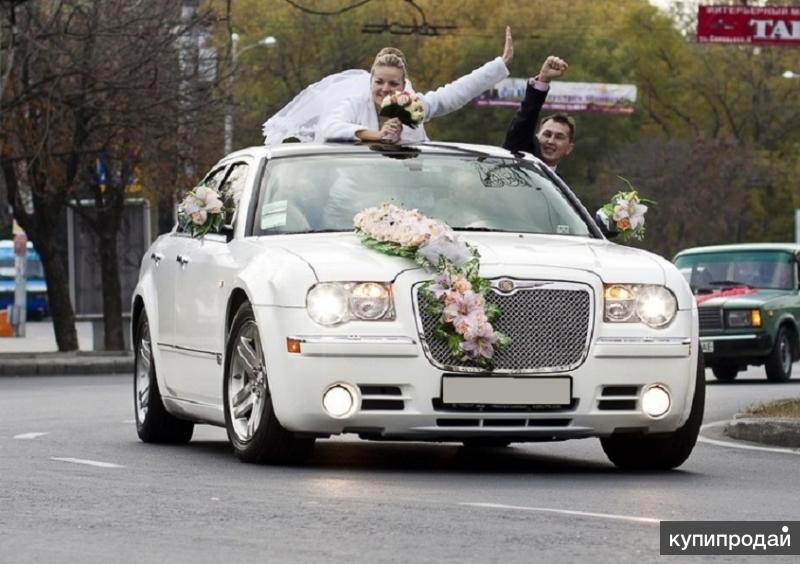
(554, 139)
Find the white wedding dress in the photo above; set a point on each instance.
(339, 105)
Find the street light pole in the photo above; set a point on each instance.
(229, 100)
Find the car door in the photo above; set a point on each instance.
(205, 273)
(167, 270)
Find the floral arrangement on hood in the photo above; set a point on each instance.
(404, 106)
(204, 211)
(626, 211)
(457, 295)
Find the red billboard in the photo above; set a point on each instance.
(749, 25)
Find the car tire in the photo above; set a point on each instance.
(253, 430)
(661, 451)
(779, 361)
(725, 372)
(485, 442)
(154, 424)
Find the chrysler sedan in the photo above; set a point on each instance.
(284, 328)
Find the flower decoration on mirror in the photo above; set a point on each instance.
(204, 211)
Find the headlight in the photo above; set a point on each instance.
(655, 306)
(332, 303)
(744, 318)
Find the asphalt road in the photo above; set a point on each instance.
(354, 501)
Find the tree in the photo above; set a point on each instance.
(110, 82)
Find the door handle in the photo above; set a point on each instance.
(156, 257)
(184, 260)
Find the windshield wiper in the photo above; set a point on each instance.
(485, 229)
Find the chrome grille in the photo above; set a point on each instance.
(710, 318)
(549, 324)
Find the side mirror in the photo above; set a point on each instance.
(606, 225)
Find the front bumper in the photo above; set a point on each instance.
(399, 391)
(735, 346)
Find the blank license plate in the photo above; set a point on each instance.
(707, 346)
(506, 390)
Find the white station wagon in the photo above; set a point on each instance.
(284, 328)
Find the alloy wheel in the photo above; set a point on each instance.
(144, 355)
(247, 385)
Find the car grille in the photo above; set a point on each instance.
(710, 318)
(549, 324)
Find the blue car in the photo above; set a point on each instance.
(36, 287)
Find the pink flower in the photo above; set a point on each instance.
(480, 342)
(460, 305)
(403, 99)
(199, 217)
(461, 284)
(440, 286)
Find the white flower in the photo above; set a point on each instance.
(630, 209)
(209, 199)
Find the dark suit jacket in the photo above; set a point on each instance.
(520, 135)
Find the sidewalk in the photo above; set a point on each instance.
(37, 354)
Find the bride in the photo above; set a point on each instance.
(346, 105)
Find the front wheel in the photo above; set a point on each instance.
(661, 451)
(254, 431)
(779, 361)
(153, 423)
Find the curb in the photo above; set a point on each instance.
(783, 432)
(52, 364)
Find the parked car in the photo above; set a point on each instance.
(748, 304)
(285, 328)
(35, 285)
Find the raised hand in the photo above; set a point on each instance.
(553, 67)
(508, 50)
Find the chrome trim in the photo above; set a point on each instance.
(745, 337)
(644, 340)
(350, 339)
(188, 351)
(519, 285)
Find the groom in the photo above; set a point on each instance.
(554, 139)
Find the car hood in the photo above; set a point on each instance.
(341, 256)
(754, 298)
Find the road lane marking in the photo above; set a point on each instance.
(734, 443)
(87, 462)
(28, 436)
(645, 520)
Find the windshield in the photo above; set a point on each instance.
(325, 192)
(757, 269)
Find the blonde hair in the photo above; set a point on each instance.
(390, 57)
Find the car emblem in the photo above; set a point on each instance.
(505, 285)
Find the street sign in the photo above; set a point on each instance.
(751, 25)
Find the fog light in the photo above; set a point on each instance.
(656, 401)
(339, 401)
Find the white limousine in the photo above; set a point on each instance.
(285, 328)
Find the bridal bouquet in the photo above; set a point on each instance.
(457, 296)
(404, 106)
(626, 210)
(203, 211)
